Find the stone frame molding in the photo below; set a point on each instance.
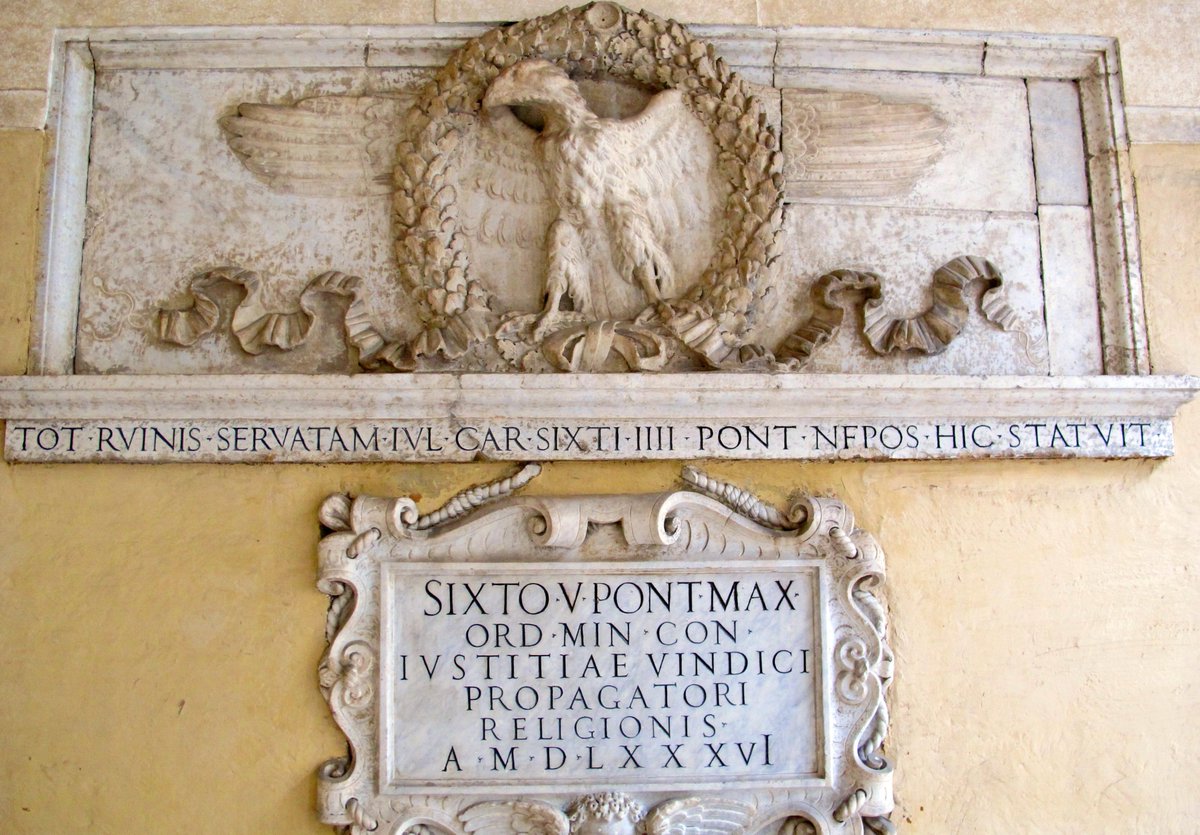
(710, 522)
(52, 396)
(1091, 63)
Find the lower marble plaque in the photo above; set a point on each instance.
(528, 664)
(510, 676)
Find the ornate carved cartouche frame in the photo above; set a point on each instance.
(709, 613)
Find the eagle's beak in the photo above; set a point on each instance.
(501, 92)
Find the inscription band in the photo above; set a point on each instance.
(305, 441)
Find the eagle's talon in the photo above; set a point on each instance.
(653, 276)
(546, 323)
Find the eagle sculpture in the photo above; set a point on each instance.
(616, 211)
(605, 178)
(581, 199)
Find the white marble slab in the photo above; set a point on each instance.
(959, 55)
(660, 675)
(193, 206)
(797, 437)
(904, 247)
(1069, 265)
(985, 164)
(1058, 154)
(108, 305)
(986, 161)
(696, 656)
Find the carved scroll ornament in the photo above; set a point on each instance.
(370, 539)
(930, 332)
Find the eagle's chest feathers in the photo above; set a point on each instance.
(574, 163)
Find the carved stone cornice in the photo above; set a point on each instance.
(1133, 415)
(605, 396)
(1071, 293)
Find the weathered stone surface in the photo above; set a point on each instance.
(312, 223)
(589, 191)
(699, 643)
(797, 438)
(1164, 125)
(1156, 39)
(531, 675)
(1058, 155)
(707, 11)
(1069, 264)
(193, 207)
(837, 236)
(591, 417)
(981, 160)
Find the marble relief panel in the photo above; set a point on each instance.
(168, 199)
(432, 217)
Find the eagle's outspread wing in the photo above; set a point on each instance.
(502, 205)
(699, 816)
(665, 197)
(515, 817)
(325, 146)
(856, 144)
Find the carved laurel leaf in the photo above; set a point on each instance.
(647, 51)
(515, 817)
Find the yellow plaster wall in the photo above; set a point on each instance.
(159, 627)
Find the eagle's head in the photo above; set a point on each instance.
(543, 90)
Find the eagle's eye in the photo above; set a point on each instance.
(529, 115)
(612, 98)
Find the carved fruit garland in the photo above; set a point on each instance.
(647, 50)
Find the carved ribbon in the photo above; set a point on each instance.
(927, 333)
(258, 328)
(588, 346)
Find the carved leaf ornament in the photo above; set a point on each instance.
(474, 187)
(632, 46)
